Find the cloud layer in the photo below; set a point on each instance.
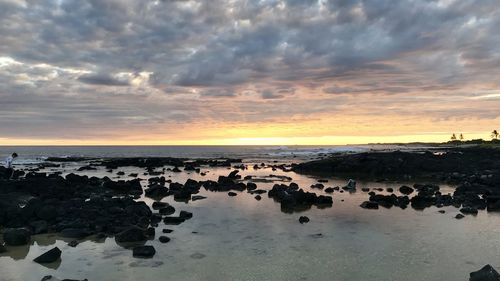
(187, 70)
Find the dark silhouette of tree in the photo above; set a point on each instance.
(461, 137)
(453, 137)
(494, 134)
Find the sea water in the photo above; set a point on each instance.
(240, 238)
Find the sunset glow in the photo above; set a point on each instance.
(247, 72)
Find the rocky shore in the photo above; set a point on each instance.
(78, 206)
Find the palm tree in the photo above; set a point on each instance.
(453, 137)
(461, 137)
(494, 134)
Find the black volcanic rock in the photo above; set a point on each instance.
(487, 273)
(16, 236)
(144, 251)
(49, 256)
(303, 219)
(131, 234)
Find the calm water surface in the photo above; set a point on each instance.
(240, 238)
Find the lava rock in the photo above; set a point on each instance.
(16, 236)
(487, 273)
(77, 233)
(132, 234)
(49, 256)
(164, 239)
(406, 190)
(173, 220)
(185, 215)
(168, 210)
(469, 210)
(143, 251)
(303, 219)
(232, 193)
(329, 190)
(369, 205)
(459, 216)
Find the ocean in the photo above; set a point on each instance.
(36, 154)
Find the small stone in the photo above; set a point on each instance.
(303, 219)
(73, 243)
(164, 239)
(459, 216)
(232, 193)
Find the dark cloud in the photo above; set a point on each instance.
(186, 56)
(102, 79)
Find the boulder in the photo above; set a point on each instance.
(16, 236)
(38, 227)
(406, 190)
(47, 213)
(469, 210)
(369, 205)
(49, 256)
(185, 215)
(351, 185)
(487, 273)
(168, 210)
(143, 251)
(173, 220)
(164, 239)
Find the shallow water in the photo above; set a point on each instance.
(240, 238)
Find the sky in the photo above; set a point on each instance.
(247, 72)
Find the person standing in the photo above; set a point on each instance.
(9, 165)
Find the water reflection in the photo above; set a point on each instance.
(240, 238)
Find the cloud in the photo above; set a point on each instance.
(102, 79)
(131, 64)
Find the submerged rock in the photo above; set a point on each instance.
(132, 234)
(52, 278)
(49, 256)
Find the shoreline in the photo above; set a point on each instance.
(42, 201)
